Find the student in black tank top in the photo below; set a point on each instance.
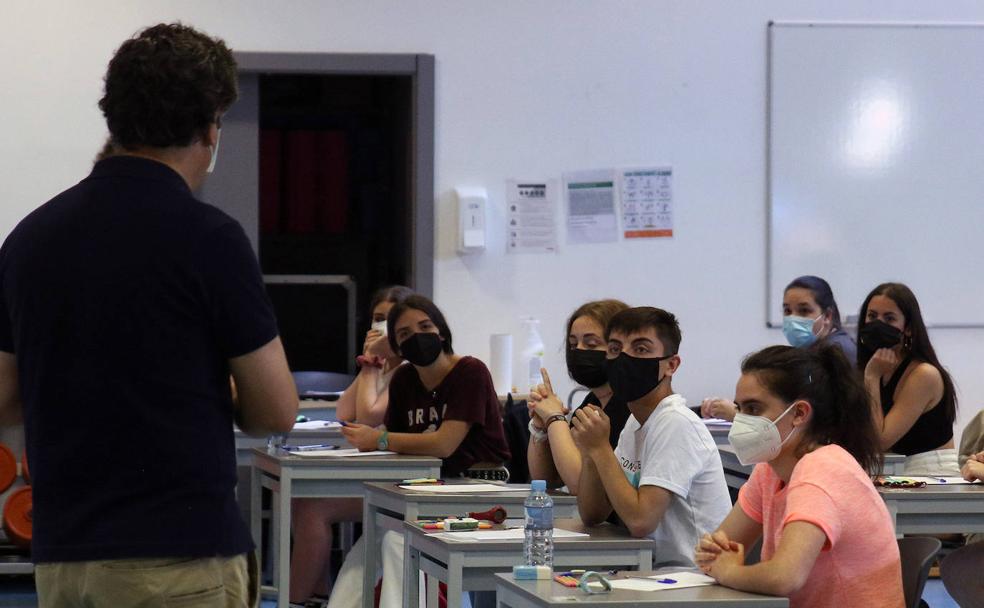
(551, 454)
(913, 398)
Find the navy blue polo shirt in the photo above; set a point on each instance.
(123, 299)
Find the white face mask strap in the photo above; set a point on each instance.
(783, 441)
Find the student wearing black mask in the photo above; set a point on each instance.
(441, 405)
(552, 454)
(913, 398)
(664, 479)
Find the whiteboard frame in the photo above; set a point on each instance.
(769, 143)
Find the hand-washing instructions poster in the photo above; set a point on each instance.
(590, 197)
(531, 225)
(647, 202)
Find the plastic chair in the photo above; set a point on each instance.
(321, 382)
(918, 553)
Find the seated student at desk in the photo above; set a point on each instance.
(664, 479)
(810, 315)
(961, 570)
(365, 400)
(441, 405)
(827, 539)
(913, 399)
(552, 454)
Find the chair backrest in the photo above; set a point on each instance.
(321, 382)
(918, 553)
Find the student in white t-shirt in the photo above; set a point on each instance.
(664, 479)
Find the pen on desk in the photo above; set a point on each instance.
(309, 448)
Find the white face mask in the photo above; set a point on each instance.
(215, 152)
(379, 326)
(756, 438)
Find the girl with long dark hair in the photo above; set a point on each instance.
(913, 399)
(805, 421)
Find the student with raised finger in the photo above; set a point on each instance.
(828, 541)
(913, 399)
(809, 315)
(552, 454)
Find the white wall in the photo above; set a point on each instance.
(524, 89)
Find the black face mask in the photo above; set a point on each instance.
(632, 378)
(878, 334)
(422, 348)
(587, 367)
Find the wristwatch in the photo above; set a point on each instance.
(554, 418)
(383, 442)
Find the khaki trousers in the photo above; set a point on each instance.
(214, 582)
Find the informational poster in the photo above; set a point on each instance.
(647, 202)
(590, 200)
(531, 224)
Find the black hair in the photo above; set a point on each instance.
(393, 293)
(166, 85)
(641, 317)
(601, 311)
(822, 295)
(918, 344)
(426, 306)
(822, 375)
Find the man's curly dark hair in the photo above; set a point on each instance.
(166, 85)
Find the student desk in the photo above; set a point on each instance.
(522, 594)
(936, 509)
(387, 506)
(736, 474)
(288, 476)
(544, 594)
(470, 565)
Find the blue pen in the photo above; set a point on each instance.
(666, 581)
(309, 448)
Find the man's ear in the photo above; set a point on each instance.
(673, 364)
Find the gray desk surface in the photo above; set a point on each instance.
(936, 509)
(521, 594)
(289, 476)
(466, 565)
(387, 506)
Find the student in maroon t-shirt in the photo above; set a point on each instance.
(443, 404)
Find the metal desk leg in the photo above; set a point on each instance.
(411, 575)
(371, 555)
(455, 576)
(282, 577)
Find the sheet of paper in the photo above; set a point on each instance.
(316, 424)
(681, 580)
(531, 225)
(313, 453)
(590, 203)
(513, 534)
(348, 453)
(716, 422)
(459, 488)
(647, 202)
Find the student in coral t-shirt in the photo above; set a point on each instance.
(828, 540)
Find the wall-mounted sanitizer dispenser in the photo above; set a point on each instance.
(471, 219)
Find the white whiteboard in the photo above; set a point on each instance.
(876, 163)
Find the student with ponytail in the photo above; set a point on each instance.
(913, 399)
(552, 454)
(804, 419)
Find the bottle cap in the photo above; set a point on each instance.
(538, 485)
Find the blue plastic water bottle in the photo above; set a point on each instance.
(538, 546)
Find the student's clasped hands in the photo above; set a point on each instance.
(362, 436)
(716, 554)
(973, 469)
(590, 428)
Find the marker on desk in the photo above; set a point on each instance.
(309, 448)
(421, 481)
